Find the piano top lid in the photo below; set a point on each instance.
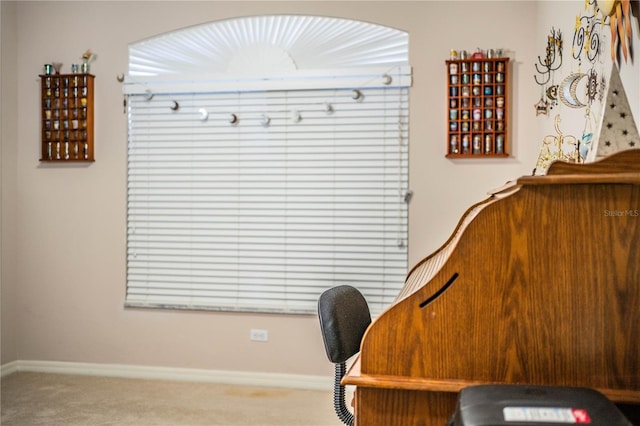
(622, 167)
(621, 162)
(581, 178)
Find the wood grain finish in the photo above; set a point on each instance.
(621, 162)
(393, 407)
(542, 287)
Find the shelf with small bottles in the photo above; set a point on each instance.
(478, 105)
(67, 117)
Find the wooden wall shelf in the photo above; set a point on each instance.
(67, 117)
(478, 105)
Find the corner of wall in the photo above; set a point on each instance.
(8, 152)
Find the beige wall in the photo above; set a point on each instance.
(64, 227)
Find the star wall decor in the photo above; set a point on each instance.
(542, 107)
(618, 130)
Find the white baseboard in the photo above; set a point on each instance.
(294, 381)
(8, 368)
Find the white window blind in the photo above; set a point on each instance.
(305, 191)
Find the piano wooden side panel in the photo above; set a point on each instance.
(542, 287)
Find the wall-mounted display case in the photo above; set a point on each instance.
(478, 105)
(67, 117)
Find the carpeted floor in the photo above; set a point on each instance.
(31, 399)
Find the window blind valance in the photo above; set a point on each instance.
(340, 78)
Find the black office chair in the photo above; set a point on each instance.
(344, 317)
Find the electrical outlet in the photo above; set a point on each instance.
(259, 335)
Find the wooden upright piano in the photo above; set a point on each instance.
(538, 284)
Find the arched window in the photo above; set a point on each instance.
(267, 161)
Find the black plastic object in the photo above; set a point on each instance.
(524, 405)
(344, 317)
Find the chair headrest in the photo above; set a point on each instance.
(344, 317)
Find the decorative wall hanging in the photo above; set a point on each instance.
(568, 90)
(618, 12)
(552, 60)
(558, 147)
(590, 95)
(542, 107)
(136, 86)
(545, 68)
(552, 94)
(586, 37)
(592, 85)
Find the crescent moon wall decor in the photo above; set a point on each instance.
(568, 90)
(552, 94)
